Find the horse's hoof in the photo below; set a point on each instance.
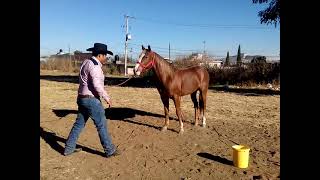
(164, 128)
(203, 125)
(181, 132)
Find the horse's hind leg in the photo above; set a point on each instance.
(202, 102)
(165, 101)
(196, 107)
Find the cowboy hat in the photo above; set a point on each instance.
(100, 48)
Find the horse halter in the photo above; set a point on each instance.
(149, 65)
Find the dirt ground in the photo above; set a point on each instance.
(146, 152)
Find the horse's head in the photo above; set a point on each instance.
(146, 60)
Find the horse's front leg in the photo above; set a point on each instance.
(165, 101)
(176, 100)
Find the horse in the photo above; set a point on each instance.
(173, 83)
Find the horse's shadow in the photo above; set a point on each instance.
(120, 114)
(246, 91)
(215, 158)
(52, 139)
(113, 113)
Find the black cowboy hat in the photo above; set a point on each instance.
(100, 48)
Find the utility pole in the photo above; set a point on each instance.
(204, 48)
(69, 56)
(69, 52)
(128, 37)
(75, 60)
(131, 54)
(169, 52)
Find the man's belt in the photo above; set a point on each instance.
(87, 96)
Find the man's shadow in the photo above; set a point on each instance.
(52, 139)
(215, 158)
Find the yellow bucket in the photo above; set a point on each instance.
(240, 156)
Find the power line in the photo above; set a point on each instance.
(225, 26)
(157, 47)
(161, 51)
(166, 50)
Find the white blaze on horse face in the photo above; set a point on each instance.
(136, 68)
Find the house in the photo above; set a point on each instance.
(245, 58)
(212, 63)
(44, 58)
(130, 71)
(79, 56)
(61, 56)
(197, 56)
(167, 59)
(273, 59)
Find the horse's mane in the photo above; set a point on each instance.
(166, 66)
(165, 63)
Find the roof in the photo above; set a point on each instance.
(82, 56)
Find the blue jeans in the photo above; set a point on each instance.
(93, 108)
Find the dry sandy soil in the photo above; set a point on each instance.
(146, 152)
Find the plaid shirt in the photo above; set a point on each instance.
(91, 79)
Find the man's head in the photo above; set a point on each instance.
(100, 51)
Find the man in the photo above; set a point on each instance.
(91, 88)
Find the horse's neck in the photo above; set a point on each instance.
(163, 70)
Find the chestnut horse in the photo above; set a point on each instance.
(172, 83)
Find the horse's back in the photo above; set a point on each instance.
(198, 72)
(192, 78)
(191, 70)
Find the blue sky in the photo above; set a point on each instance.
(222, 24)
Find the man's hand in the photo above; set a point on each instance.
(109, 102)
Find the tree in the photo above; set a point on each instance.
(271, 15)
(259, 59)
(227, 60)
(77, 52)
(239, 56)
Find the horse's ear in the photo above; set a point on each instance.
(143, 47)
(149, 49)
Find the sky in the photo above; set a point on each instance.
(216, 26)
